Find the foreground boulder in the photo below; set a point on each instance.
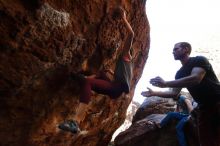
(143, 131)
(154, 105)
(147, 134)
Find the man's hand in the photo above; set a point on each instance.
(148, 93)
(158, 82)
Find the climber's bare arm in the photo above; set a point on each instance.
(129, 39)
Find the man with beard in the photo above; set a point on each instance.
(197, 75)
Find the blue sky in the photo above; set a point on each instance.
(171, 21)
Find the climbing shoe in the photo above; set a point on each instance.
(70, 126)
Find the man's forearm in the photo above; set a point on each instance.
(183, 82)
(165, 94)
(195, 78)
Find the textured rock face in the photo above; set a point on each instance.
(41, 43)
(144, 133)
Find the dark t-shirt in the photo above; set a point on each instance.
(123, 72)
(207, 92)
